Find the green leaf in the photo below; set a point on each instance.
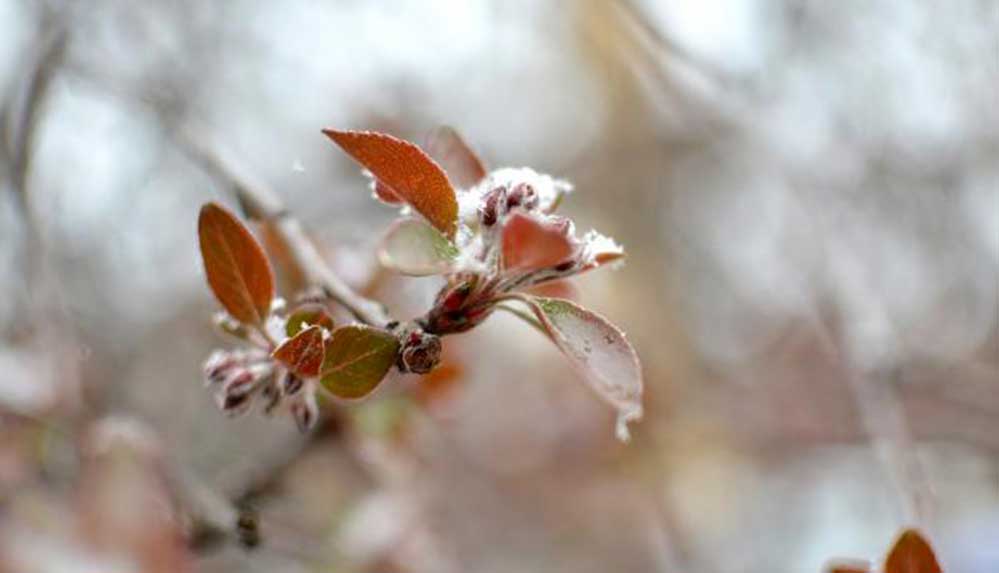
(235, 264)
(413, 247)
(598, 350)
(357, 358)
(307, 315)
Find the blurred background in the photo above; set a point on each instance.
(808, 193)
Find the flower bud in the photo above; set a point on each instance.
(522, 195)
(421, 351)
(489, 212)
(305, 410)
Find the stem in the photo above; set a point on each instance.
(261, 203)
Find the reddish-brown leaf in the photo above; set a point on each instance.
(849, 566)
(464, 167)
(385, 195)
(912, 554)
(303, 353)
(407, 172)
(237, 268)
(530, 243)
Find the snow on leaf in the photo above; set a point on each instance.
(599, 351)
(530, 242)
(413, 247)
(357, 358)
(911, 554)
(463, 165)
(406, 171)
(237, 269)
(303, 353)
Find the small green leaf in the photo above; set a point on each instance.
(415, 248)
(357, 358)
(307, 315)
(598, 350)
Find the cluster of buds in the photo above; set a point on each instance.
(509, 240)
(243, 376)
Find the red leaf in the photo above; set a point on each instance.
(849, 566)
(237, 268)
(529, 243)
(407, 172)
(463, 165)
(385, 195)
(912, 554)
(303, 353)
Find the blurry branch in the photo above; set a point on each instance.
(21, 121)
(672, 72)
(259, 202)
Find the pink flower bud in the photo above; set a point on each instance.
(305, 410)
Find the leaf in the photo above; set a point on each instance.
(849, 566)
(357, 358)
(303, 353)
(530, 243)
(407, 172)
(307, 315)
(598, 350)
(911, 554)
(463, 165)
(237, 268)
(384, 194)
(413, 247)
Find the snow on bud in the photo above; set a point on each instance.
(420, 352)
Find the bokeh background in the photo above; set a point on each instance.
(809, 196)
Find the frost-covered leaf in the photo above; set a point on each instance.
(235, 264)
(464, 167)
(531, 242)
(307, 315)
(357, 358)
(911, 554)
(598, 350)
(303, 353)
(406, 171)
(413, 247)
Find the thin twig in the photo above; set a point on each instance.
(260, 203)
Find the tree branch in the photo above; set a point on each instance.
(259, 202)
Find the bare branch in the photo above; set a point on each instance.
(261, 203)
